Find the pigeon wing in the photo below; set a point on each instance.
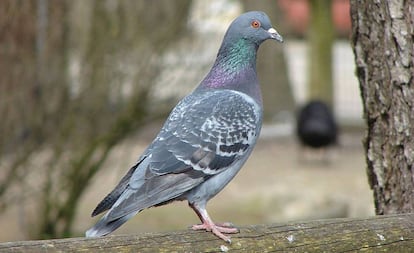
(205, 134)
(213, 131)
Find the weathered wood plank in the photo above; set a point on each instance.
(392, 233)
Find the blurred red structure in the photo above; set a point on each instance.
(297, 15)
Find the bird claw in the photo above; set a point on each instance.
(218, 229)
(226, 225)
(227, 228)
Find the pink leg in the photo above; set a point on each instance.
(208, 224)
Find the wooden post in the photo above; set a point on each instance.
(321, 39)
(393, 233)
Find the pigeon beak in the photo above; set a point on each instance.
(275, 35)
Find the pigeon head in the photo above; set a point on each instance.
(254, 27)
(235, 65)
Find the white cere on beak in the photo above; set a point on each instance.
(275, 35)
(272, 30)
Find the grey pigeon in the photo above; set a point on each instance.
(204, 142)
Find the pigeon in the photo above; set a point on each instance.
(205, 140)
(316, 126)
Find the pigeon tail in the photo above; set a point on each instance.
(103, 227)
(112, 197)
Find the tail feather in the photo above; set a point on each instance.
(103, 227)
(113, 196)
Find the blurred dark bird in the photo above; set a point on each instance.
(316, 126)
(204, 142)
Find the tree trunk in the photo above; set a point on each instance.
(321, 38)
(383, 46)
(271, 67)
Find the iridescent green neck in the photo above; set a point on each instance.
(235, 63)
(237, 56)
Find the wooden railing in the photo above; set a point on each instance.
(392, 233)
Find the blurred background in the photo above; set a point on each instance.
(86, 85)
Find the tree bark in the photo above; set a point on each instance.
(382, 41)
(377, 234)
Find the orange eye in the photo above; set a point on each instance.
(255, 24)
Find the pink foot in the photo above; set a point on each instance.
(218, 230)
(208, 224)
